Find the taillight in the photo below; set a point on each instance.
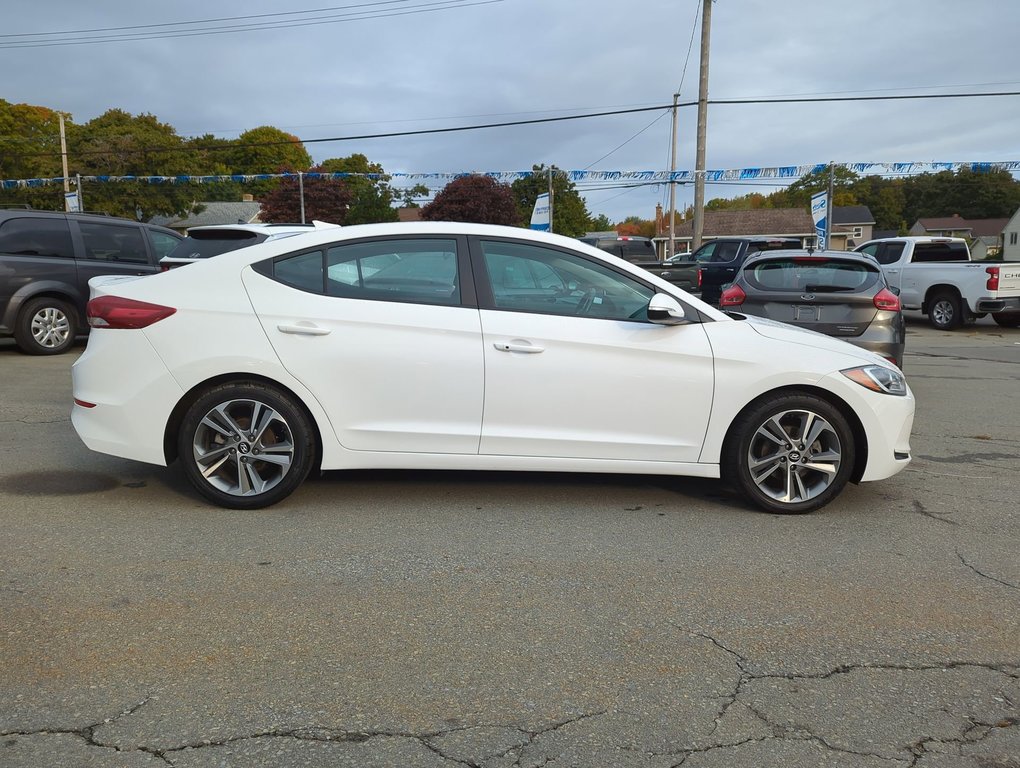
(993, 278)
(732, 297)
(886, 299)
(117, 312)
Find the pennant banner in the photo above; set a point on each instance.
(736, 174)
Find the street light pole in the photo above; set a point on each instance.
(672, 186)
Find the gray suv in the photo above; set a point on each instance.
(46, 260)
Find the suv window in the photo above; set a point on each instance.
(162, 242)
(889, 253)
(36, 237)
(110, 242)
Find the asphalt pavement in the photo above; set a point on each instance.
(496, 620)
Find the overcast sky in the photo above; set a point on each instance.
(460, 62)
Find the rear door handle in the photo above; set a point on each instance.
(505, 346)
(303, 330)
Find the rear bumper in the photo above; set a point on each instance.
(998, 305)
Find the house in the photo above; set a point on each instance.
(409, 214)
(245, 212)
(945, 226)
(1011, 238)
(774, 222)
(851, 226)
(983, 235)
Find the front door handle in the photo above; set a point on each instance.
(505, 346)
(303, 330)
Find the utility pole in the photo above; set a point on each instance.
(550, 200)
(301, 193)
(672, 187)
(699, 163)
(828, 209)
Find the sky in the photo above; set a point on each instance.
(406, 65)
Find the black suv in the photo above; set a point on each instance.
(46, 260)
(719, 260)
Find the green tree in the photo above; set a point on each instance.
(570, 215)
(266, 150)
(371, 198)
(30, 149)
(478, 199)
(600, 223)
(325, 200)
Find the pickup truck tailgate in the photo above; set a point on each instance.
(1009, 280)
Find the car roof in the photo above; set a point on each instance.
(263, 228)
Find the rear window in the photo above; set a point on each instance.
(773, 245)
(202, 245)
(940, 252)
(631, 250)
(811, 275)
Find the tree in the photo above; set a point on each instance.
(478, 199)
(570, 215)
(635, 226)
(325, 200)
(600, 223)
(267, 150)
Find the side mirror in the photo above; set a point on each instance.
(665, 310)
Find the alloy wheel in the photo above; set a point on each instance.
(794, 456)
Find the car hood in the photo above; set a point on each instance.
(772, 329)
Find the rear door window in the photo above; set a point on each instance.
(113, 243)
(162, 242)
(419, 271)
(889, 253)
(725, 251)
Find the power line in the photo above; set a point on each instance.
(426, 7)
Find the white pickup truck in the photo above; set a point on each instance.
(936, 276)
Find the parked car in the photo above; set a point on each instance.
(681, 270)
(465, 346)
(719, 260)
(936, 276)
(833, 292)
(214, 239)
(46, 260)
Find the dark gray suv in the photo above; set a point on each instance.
(46, 260)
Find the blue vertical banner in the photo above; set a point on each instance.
(819, 212)
(540, 215)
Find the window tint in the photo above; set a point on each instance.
(940, 252)
(704, 253)
(204, 244)
(422, 271)
(110, 242)
(889, 253)
(812, 274)
(531, 278)
(302, 271)
(725, 251)
(162, 243)
(36, 237)
(871, 250)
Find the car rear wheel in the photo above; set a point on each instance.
(944, 311)
(789, 455)
(45, 326)
(1007, 319)
(246, 446)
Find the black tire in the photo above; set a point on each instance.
(944, 311)
(46, 326)
(255, 434)
(1007, 319)
(754, 438)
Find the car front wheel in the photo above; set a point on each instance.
(246, 446)
(45, 326)
(790, 455)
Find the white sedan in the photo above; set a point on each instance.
(464, 346)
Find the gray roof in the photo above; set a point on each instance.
(216, 213)
(852, 214)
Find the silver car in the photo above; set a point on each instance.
(837, 293)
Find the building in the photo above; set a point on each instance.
(985, 236)
(851, 226)
(1011, 238)
(770, 222)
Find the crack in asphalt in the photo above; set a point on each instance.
(985, 575)
(920, 748)
(920, 509)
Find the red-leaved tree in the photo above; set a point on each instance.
(476, 199)
(325, 200)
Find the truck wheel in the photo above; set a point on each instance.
(1007, 319)
(45, 326)
(944, 311)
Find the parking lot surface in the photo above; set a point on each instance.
(497, 620)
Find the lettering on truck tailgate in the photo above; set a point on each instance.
(1009, 280)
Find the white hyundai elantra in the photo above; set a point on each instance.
(465, 346)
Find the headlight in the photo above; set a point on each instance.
(878, 378)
